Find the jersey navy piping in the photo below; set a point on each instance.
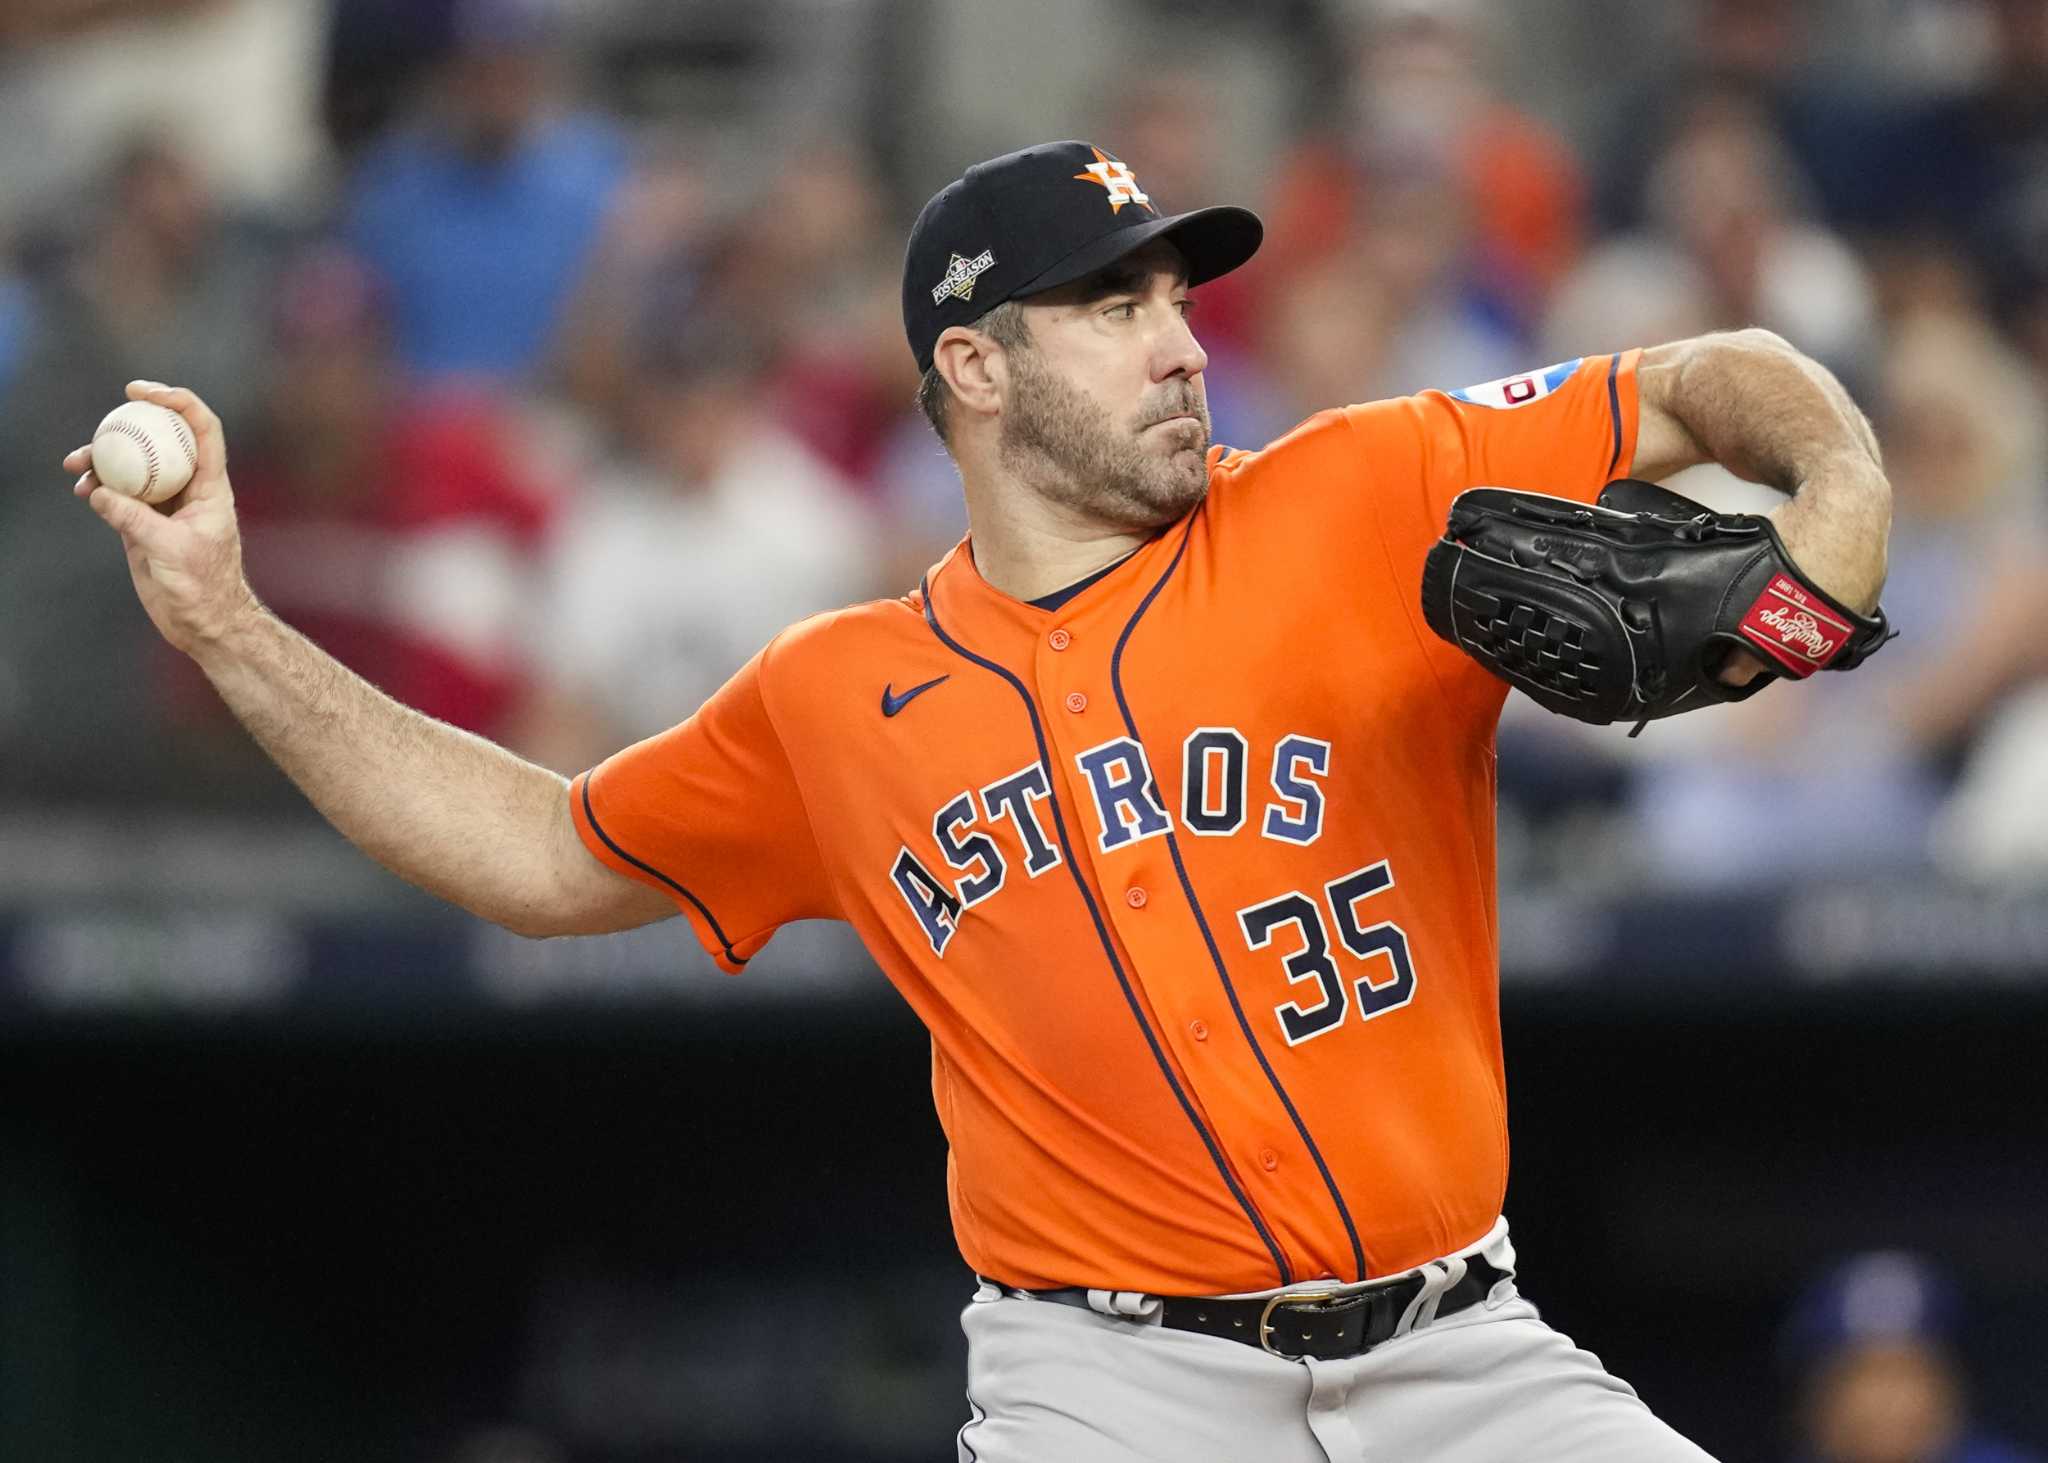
(1059, 597)
(1116, 684)
(645, 867)
(1059, 827)
(1614, 408)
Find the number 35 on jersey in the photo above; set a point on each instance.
(1215, 796)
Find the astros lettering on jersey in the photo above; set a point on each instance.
(1191, 879)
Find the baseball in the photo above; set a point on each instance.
(144, 450)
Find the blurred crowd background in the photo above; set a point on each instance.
(557, 340)
(558, 348)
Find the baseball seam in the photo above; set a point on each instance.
(141, 439)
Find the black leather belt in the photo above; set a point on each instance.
(1310, 1321)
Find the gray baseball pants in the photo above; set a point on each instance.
(1490, 1384)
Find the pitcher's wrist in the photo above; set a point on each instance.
(228, 640)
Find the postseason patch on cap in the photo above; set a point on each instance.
(1794, 628)
(961, 275)
(1518, 390)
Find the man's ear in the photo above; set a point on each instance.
(974, 366)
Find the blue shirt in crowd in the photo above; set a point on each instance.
(481, 256)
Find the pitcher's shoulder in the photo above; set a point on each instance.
(839, 646)
(1320, 464)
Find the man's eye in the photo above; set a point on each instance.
(1186, 307)
(1125, 311)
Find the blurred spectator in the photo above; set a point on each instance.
(391, 525)
(1327, 333)
(803, 245)
(1860, 763)
(1872, 1346)
(157, 281)
(1969, 166)
(1775, 57)
(711, 530)
(483, 213)
(655, 237)
(917, 489)
(377, 52)
(1397, 308)
(1728, 228)
(1421, 107)
(1991, 831)
(1435, 212)
(848, 380)
(1628, 291)
(1965, 165)
(153, 277)
(1966, 448)
(226, 83)
(813, 269)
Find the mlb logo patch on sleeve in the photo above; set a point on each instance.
(1519, 390)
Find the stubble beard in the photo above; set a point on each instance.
(1069, 451)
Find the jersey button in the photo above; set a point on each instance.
(1268, 1159)
(1059, 640)
(1135, 897)
(1076, 702)
(1199, 1030)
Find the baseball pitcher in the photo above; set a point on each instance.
(1167, 802)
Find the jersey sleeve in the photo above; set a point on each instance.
(710, 813)
(1567, 429)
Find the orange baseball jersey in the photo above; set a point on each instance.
(1191, 878)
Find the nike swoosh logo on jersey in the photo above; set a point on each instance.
(893, 704)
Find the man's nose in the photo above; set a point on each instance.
(1178, 353)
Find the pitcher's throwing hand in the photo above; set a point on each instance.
(185, 555)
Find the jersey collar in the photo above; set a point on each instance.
(1006, 628)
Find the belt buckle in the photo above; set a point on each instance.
(1288, 1298)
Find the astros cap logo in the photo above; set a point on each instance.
(960, 276)
(1114, 176)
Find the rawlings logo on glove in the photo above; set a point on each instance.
(1625, 610)
(1785, 623)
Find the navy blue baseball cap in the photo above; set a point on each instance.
(1878, 1296)
(1039, 218)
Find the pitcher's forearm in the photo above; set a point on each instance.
(1759, 408)
(445, 810)
(1752, 403)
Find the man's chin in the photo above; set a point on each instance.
(1174, 493)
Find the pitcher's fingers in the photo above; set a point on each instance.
(84, 486)
(1740, 668)
(78, 459)
(139, 525)
(206, 433)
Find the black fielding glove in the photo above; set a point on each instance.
(1627, 610)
